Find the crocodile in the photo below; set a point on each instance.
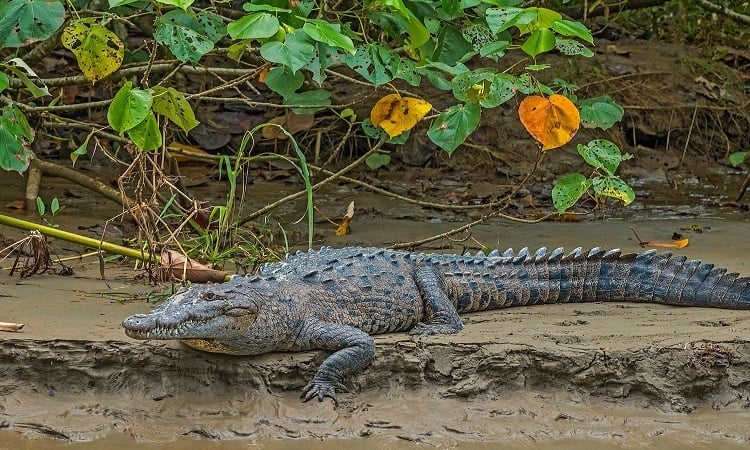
(337, 299)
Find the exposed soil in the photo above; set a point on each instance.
(628, 374)
(560, 376)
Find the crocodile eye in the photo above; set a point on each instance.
(209, 296)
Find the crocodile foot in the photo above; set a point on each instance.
(426, 329)
(322, 389)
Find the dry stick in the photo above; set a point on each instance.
(331, 178)
(737, 17)
(481, 220)
(687, 141)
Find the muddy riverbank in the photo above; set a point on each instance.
(603, 374)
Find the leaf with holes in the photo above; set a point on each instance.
(373, 62)
(572, 48)
(295, 52)
(614, 187)
(172, 104)
(23, 22)
(601, 112)
(14, 133)
(182, 4)
(129, 107)
(452, 127)
(146, 135)
(602, 154)
(99, 52)
(568, 190)
(186, 38)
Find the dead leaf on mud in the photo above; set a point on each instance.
(10, 326)
(176, 265)
(291, 122)
(18, 205)
(343, 229)
(676, 243)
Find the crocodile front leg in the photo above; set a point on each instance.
(440, 316)
(354, 350)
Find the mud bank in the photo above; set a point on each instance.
(596, 374)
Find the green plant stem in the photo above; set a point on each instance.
(78, 239)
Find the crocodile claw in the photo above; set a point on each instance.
(322, 389)
(424, 329)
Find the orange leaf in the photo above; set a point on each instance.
(343, 229)
(396, 114)
(174, 264)
(262, 75)
(553, 122)
(682, 243)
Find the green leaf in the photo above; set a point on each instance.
(81, 149)
(378, 133)
(372, 61)
(319, 97)
(572, 48)
(23, 72)
(494, 49)
(4, 82)
(574, 29)
(737, 158)
(283, 81)
(116, 3)
(23, 22)
(295, 52)
(377, 160)
(13, 155)
(327, 33)
(405, 69)
(451, 45)
(54, 206)
(172, 104)
(146, 135)
(418, 34)
(40, 207)
(187, 38)
(182, 4)
(129, 108)
(568, 190)
(99, 52)
(602, 154)
(540, 41)
(252, 7)
(452, 127)
(254, 26)
(17, 123)
(501, 19)
(614, 187)
(602, 112)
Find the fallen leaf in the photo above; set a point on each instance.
(19, 205)
(682, 243)
(397, 115)
(8, 326)
(343, 229)
(291, 122)
(553, 121)
(177, 265)
(263, 72)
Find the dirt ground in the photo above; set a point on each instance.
(560, 376)
(589, 374)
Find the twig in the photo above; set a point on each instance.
(737, 17)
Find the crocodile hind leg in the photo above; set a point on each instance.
(354, 350)
(440, 316)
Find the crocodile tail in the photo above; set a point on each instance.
(599, 275)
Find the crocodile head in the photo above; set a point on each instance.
(204, 315)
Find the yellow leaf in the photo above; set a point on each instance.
(681, 243)
(396, 114)
(344, 227)
(553, 122)
(99, 52)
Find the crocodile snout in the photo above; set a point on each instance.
(137, 325)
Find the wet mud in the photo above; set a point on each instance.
(590, 374)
